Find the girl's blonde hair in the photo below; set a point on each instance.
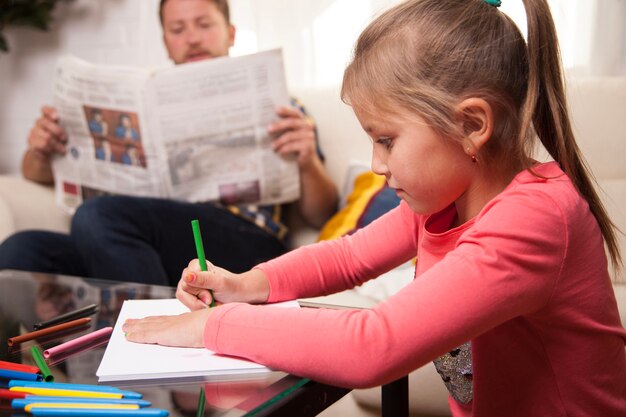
(426, 56)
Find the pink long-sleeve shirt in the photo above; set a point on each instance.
(525, 282)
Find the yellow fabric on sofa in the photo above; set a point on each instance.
(369, 199)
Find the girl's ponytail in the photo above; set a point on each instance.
(545, 111)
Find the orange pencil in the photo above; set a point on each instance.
(48, 330)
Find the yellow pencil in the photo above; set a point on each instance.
(82, 405)
(50, 392)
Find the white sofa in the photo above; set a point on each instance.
(597, 105)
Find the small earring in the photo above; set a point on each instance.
(471, 155)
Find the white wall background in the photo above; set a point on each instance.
(122, 32)
(316, 37)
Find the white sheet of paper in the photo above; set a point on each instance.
(128, 361)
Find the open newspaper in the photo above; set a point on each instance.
(192, 132)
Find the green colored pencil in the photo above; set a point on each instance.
(41, 364)
(201, 402)
(197, 237)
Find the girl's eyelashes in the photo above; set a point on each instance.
(386, 141)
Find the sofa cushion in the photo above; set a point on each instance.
(7, 225)
(369, 199)
(30, 206)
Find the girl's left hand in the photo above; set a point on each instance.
(185, 330)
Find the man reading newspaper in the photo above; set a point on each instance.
(149, 239)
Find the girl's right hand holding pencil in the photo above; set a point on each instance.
(194, 285)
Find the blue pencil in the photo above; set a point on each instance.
(78, 412)
(64, 385)
(30, 399)
(77, 387)
(17, 375)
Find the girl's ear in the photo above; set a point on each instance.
(475, 117)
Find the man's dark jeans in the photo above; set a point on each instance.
(141, 240)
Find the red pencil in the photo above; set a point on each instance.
(48, 330)
(11, 395)
(10, 366)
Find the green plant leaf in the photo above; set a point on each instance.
(31, 13)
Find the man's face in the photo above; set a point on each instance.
(194, 30)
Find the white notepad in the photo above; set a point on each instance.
(128, 361)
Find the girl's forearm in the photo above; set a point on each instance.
(254, 286)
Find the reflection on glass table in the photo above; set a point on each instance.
(30, 298)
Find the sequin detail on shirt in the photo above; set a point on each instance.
(455, 369)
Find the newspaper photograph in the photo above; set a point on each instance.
(194, 132)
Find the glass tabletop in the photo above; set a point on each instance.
(28, 298)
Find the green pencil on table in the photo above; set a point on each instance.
(41, 364)
(197, 236)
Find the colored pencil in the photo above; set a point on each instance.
(60, 357)
(19, 367)
(78, 342)
(6, 394)
(22, 402)
(90, 406)
(72, 315)
(201, 404)
(69, 412)
(67, 386)
(66, 392)
(25, 376)
(197, 237)
(48, 331)
(41, 363)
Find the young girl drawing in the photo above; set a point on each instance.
(511, 296)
